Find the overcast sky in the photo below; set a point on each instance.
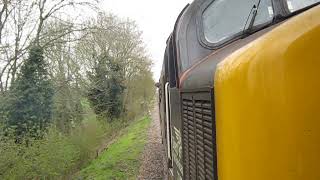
(155, 19)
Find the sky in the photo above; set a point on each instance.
(155, 18)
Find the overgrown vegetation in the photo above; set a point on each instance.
(66, 85)
(54, 156)
(121, 159)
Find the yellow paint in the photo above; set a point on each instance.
(268, 105)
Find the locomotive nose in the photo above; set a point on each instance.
(267, 105)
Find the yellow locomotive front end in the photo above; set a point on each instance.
(267, 101)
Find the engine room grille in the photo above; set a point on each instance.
(198, 138)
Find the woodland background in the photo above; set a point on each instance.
(71, 76)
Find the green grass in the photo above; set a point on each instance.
(121, 159)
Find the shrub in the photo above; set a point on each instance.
(51, 156)
(54, 156)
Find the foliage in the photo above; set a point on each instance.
(121, 160)
(107, 88)
(30, 101)
(67, 110)
(48, 157)
(54, 156)
(3, 98)
(140, 94)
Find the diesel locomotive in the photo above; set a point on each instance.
(239, 92)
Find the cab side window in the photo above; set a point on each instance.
(294, 5)
(224, 19)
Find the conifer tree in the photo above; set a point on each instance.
(31, 97)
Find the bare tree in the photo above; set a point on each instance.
(23, 23)
(4, 14)
(48, 9)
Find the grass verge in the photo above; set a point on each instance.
(121, 159)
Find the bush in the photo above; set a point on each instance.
(55, 156)
(51, 157)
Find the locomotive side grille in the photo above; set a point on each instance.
(189, 139)
(198, 138)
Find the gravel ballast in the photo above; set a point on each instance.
(153, 158)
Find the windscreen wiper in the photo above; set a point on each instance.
(253, 14)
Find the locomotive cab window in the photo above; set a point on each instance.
(225, 19)
(294, 5)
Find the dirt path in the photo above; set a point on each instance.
(152, 166)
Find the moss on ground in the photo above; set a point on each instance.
(121, 159)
